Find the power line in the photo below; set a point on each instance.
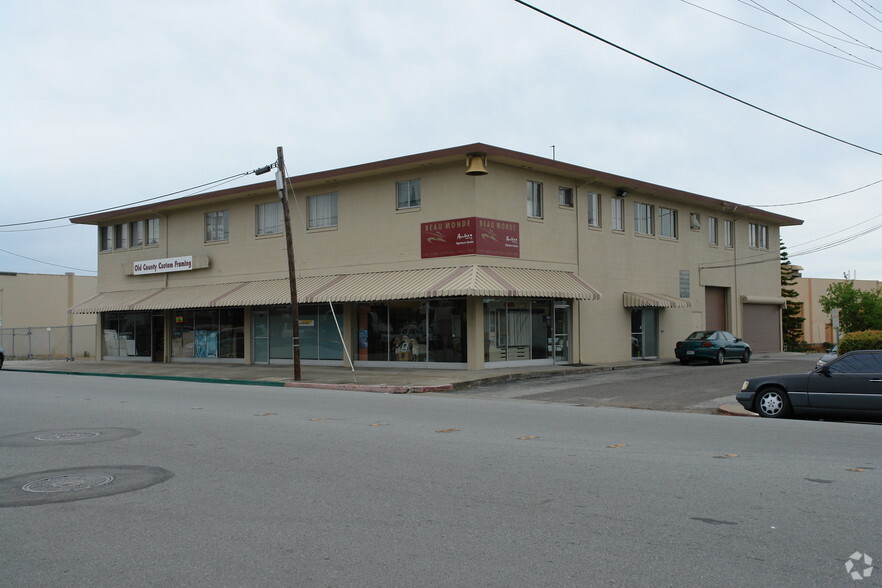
(79, 269)
(212, 184)
(694, 81)
(856, 62)
(816, 199)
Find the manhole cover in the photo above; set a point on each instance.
(67, 435)
(68, 483)
(77, 483)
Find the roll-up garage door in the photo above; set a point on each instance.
(762, 327)
(715, 308)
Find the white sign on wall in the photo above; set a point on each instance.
(161, 266)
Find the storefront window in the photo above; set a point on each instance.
(518, 329)
(208, 334)
(126, 334)
(319, 338)
(447, 328)
(413, 331)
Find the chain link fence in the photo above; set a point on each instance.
(64, 342)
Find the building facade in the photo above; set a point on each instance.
(34, 321)
(818, 326)
(471, 257)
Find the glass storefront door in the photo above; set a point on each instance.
(260, 336)
(644, 333)
(559, 342)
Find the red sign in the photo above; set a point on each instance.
(470, 236)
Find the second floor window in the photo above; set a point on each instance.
(565, 196)
(593, 209)
(667, 222)
(713, 236)
(534, 199)
(105, 238)
(269, 218)
(137, 233)
(729, 233)
(618, 214)
(217, 226)
(643, 221)
(121, 236)
(408, 193)
(758, 236)
(323, 210)
(152, 231)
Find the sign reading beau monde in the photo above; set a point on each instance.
(161, 266)
(470, 236)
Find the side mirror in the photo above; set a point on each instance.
(738, 339)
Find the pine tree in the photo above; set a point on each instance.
(791, 322)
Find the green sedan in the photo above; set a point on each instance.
(713, 347)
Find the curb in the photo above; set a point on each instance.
(380, 388)
(149, 377)
(736, 410)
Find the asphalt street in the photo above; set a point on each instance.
(699, 387)
(263, 486)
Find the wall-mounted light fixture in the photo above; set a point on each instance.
(621, 192)
(476, 164)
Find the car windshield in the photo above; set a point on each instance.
(700, 335)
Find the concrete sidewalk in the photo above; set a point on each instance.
(384, 380)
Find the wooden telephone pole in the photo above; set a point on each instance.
(282, 187)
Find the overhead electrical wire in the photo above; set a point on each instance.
(212, 184)
(867, 11)
(48, 263)
(693, 80)
(815, 199)
(871, 25)
(828, 53)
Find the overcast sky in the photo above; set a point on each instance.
(104, 103)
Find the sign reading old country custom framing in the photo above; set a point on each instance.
(470, 236)
(161, 266)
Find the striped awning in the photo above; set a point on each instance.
(647, 300)
(484, 281)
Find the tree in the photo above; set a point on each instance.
(859, 310)
(791, 321)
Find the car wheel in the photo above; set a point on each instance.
(685, 361)
(745, 357)
(720, 359)
(773, 403)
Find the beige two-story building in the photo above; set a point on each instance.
(471, 257)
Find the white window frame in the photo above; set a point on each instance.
(121, 236)
(322, 210)
(729, 233)
(268, 219)
(594, 210)
(152, 233)
(713, 231)
(668, 221)
(618, 214)
(105, 238)
(136, 234)
(217, 226)
(565, 196)
(534, 199)
(758, 236)
(644, 218)
(407, 194)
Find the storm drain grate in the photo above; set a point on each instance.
(67, 483)
(67, 435)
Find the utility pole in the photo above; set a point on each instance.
(282, 187)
